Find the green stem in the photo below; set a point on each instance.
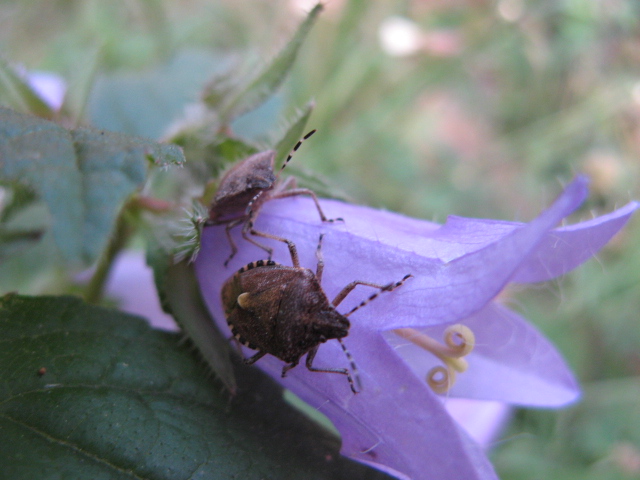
(95, 288)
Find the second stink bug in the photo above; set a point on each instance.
(245, 188)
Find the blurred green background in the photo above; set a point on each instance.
(434, 107)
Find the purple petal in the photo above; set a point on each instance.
(396, 423)
(49, 86)
(483, 420)
(384, 248)
(560, 251)
(512, 362)
(567, 247)
(131, 282)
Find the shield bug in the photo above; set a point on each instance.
(283, 311)
(246, 187)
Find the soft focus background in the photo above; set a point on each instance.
(434, 107)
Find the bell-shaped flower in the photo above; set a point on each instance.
(441, 334)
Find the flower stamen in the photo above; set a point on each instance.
(459, 341)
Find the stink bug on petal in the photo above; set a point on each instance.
(246, 187)
(283, 311)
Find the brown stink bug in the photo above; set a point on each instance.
(283, 311)
(246, 187)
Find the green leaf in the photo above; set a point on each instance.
(147, 103)
(293, 133)
(232, 149)
(209, 156)
(84, 176)
(218, 89)
(180, 296)
(20, 91)
(88, 392)
(268, 78)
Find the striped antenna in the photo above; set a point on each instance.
(295, 149)
(354, 369)
(386, 288)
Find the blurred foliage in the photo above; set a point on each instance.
(499, 102)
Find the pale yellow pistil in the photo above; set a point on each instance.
(459, 341)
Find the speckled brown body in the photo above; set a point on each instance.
(285, 312)
(245, 188)
(240, 185)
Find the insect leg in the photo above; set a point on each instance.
(288, 367)
(305, 191)
(293, 251)
(342, 371)
(386, 288)
(234, 248)
(253, 359)
(269, 250)
(349, 288)
(248, 228)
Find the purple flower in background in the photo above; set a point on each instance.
(398, 422)
(50, 87)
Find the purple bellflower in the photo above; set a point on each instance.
(398, 422)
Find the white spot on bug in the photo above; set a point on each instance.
(243, 300)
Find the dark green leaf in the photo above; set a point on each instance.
(84, 176)
(268, 78)
(88, 392)
(180, 296)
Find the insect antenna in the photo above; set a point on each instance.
(354, 369)
(387, 288)
(249, 210)
(294, 150)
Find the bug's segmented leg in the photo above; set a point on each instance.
(349, 288)
(256, 202)
(385, 288)
(305, 191)
(288, 367)
(342, 371)
(354, 369)
(269, 250)
(293, 251)
(234, 247)
(253, 359)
